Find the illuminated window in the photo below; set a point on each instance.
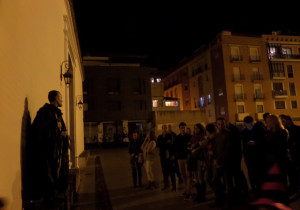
(154, 103)
(202, 101)
(152, 80)
(158, 79)
(208, 99)
(171, 103)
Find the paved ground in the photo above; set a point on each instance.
(106, 184)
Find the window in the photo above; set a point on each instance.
(241, 109)
(279, 104)
(278, 86)
(171, 94)
(290, 72)
(258, 91)
(292, 89)
(152, 80)
(138, 86)
(113, 86)
(254, 56)
(113, 106)
(139, 105)
(171, 103)
(158, 80)
(236, 74)
(260, 108)
(186, 87)
(286, 51)
(294, 104)
(175, 92)
(277, 69)
(202, 101)
(208, 99)
(235, 53)
(154, 103)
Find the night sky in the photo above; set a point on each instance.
(166, 33)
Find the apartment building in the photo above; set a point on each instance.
(117, 95)
(238, 75)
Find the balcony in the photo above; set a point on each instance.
(259, 96)
(256, 77)
(234, 58)
(259, 116)
(254, 59)
(238, 78)
(284, 56)
(240, 96)
(240, 116)
(279, 93)
(278, 75)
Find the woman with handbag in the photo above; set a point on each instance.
(136, 158)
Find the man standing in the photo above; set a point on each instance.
(181, 153)
(49, 151)
(294, 152)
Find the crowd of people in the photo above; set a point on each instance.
(212, 156)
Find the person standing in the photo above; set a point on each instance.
(174, 161)
(136, 158)
(50, 151)
(197, 164)
(164, 143)
(294, 152)
(148, 148)
(181, 152)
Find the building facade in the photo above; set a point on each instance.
(117, 99)
(37, 39)
(238, 75)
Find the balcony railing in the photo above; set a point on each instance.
(279, 93)
(259, 96)
(254, 59)
(284, 56)
(236, 58)
(240, 96)
(238, 78)
(257, 77)
(278, 75)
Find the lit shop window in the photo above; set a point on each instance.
(154, 103)
(171, 103)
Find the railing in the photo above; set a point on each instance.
(254, 59)
(279, 93)
(240, 96)
(236, 58)
(257, 77)
(284, 56)
(280, 74)
(238, 78)
(259, 96)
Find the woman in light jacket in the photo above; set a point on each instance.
(148, 147)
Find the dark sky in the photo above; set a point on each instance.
(167, 33)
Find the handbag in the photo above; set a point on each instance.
(141, 158)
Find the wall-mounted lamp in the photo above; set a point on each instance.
(67, 75)
(79, 101)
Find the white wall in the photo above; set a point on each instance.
(32, 47)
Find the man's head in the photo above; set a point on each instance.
(220, 123)
(169, 128)
(286, 120)
(164, 129)
(265, 115)
(248, 122)
(182, 126)
(135, 135)
(55, 98)
(210, 130)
